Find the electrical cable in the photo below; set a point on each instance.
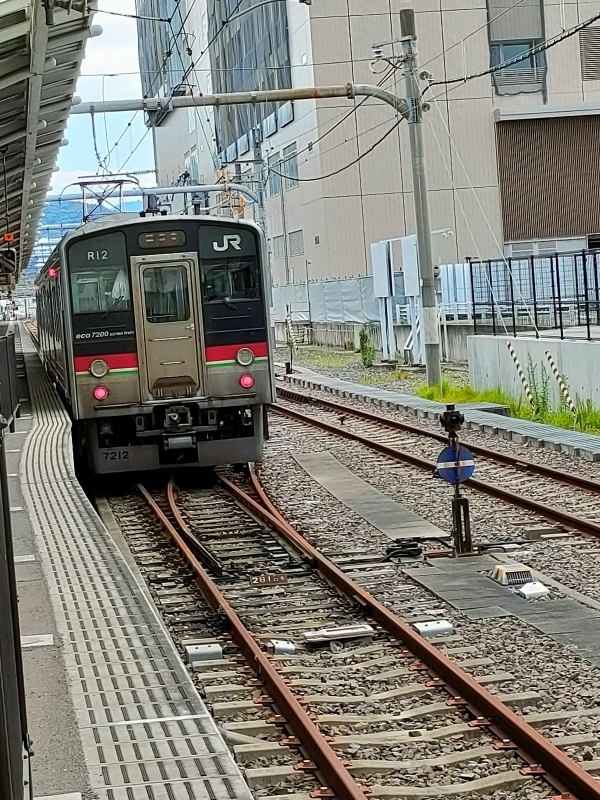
(481, 208)
(131, 154)
(341, 121)
(533, 51)
(211, 148)
(464, 213)
(346, 166)
(477, 30)
(129, 16)
(101, 165)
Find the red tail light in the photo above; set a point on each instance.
(100, 392)
(247, 381)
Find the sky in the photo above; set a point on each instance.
(109, 71)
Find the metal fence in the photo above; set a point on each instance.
(554, 292)
(15, 772)
(9, 395)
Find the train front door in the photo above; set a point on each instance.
(168, 308)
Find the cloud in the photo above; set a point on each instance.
(107, 57)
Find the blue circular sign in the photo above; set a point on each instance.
(455, 464)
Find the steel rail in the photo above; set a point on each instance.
(560, 770)
(579, 481)
(550, 513)
(312, 740)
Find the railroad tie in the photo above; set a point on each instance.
(562, 385)
(519, 368)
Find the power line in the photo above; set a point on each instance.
(131, 154)
(477, 30)
(540, 48)
(341, 121)
(347, 166)
(274, 67)
(129, 16)
(209, 144)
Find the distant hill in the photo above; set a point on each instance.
(60, 218)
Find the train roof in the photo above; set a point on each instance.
(119, 219)
(132, 217)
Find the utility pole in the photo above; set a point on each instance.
(259, 162)
(429, 322)
(261, 178)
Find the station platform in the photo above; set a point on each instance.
(485, 417)
(112, 710)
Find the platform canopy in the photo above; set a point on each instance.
(42, 44)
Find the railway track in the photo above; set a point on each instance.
(563, 498)
(429, 723)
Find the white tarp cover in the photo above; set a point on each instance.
(353, 300)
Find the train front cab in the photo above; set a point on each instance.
(194, 390)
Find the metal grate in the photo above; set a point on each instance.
(589, 53)
(145, 731)
(548, 170)
(296, 243)
(278, 247)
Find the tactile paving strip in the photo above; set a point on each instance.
(145, 731)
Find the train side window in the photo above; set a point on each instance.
(99, 289)
(166, 294)
(230, 280)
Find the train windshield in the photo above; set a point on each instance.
(99, 274)
(99, 289)
(224, 281)
(166, 294)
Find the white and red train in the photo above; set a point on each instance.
(156, 331)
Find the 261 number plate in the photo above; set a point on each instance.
(267, 579)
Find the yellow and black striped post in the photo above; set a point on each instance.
(561, 384)
(519, 368)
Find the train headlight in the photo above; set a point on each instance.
(99, 368)
(100, 392)
(247, 381)
(244, 356)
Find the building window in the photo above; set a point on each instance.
(527, 75)
(274, 176)
(191, 119)
(290, 166)
(296, 243)
(193, 170)
(163, 67)
(250, 53)
(278, 247)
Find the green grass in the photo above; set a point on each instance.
(326, 359)
(587, 420)
(449, 392)
(384, 377)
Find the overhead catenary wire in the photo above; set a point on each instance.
(132, 153)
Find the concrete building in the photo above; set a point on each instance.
(511, 157)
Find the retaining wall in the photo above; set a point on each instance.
(491, 365)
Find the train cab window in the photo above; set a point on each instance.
(166, 294)
(231, 280)
(99, 289)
